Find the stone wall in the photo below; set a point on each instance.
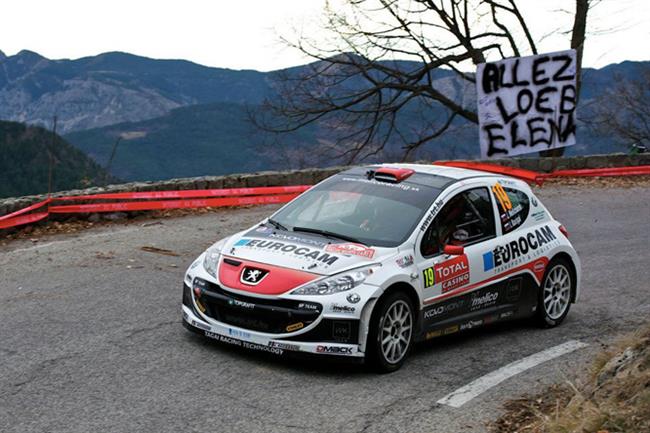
(311, 176)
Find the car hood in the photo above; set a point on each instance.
(304, 252)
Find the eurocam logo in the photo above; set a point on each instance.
(287, 248)
(504, 254)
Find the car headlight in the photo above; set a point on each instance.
(336, 283)
(211, 259)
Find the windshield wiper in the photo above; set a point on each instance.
(276, 224)
(327, 233)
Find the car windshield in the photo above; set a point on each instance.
(353, 208)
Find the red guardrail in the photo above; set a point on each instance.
(184, 199)
(536, 177)
(189, 199)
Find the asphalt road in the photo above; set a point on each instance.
(91, 338)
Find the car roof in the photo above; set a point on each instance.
(441, 170)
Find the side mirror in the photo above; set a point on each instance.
(453, 250)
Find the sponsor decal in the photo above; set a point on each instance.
(471, 324)
(512, 212)
(351, 250)
(252, 276)
(451, 274)
(440, 310)
(512, 223)
(450, 330)
(403, 186)
(433, 334)
(336, 308)
(335, 350)
(288, 237)
(263, 229)
(295, 326)
(308, 306)
(406, 261)
(286, 248)
(527, 246)
(506, 314)
(485, 300)
(239, 334)
(244, 344)
(431, 215)
(538, 216)
(284, 346)
(539, 266)
(533, 200)
(241, 304)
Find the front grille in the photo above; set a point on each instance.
(274, 316)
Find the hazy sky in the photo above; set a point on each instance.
(244, 34)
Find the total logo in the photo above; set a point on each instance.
(482, 301)
(335, 350)
(451, 274)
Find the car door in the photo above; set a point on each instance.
(466, 221)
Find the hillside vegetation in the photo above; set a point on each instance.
(24, 162)
(614, 397)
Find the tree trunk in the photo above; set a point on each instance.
(577, 43)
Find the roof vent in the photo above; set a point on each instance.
(390, 174)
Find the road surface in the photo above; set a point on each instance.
(91, 338)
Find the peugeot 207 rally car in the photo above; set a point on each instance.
(376, 258)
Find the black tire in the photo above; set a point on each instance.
(375, 355)
(547, 315)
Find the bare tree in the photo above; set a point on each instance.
(624, 111)
(358, 88)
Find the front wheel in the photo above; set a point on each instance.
(555, 294)
(391, 332)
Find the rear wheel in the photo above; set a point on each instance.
(391, 332)
(558, 287)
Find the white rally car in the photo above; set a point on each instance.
(376, 258)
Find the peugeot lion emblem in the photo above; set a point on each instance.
(252, 276)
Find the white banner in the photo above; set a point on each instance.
(527, 104)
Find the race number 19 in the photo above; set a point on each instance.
(429, 279)
(502, 197)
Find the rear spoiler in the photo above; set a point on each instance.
(519, 173)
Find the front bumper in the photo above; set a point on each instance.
(264, 342)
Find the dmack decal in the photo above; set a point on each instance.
(450, 274)
(287, 248)
(530, 242)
